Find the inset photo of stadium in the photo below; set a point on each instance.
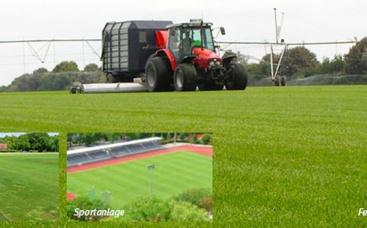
(147, 177)
(29, 177)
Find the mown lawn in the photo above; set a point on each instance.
(173, 174)
(291, 156)
(29, 187)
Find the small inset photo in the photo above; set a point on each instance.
(29, 177)
(141, 177)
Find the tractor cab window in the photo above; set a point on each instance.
(174, 39)
(174, 42)
(198, 37)
(208, 39)
(187, 41)
(183, 39)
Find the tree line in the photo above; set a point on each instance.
(298, 62)
(31, 142)
(60, 78)
(192, 205)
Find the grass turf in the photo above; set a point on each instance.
(290, 156)
(29, 187)
(173, 174)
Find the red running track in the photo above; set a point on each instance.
(204, 150)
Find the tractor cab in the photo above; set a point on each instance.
(184, 37)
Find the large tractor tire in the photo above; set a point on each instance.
(238, 77)
(158, 74)
(185, 77)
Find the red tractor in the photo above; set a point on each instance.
(189, 59)
(168, 56)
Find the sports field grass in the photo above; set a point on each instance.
(287, 157)
(29, 187)
(173, 174)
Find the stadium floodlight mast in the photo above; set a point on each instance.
(150, 168)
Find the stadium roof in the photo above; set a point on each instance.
(94, 148)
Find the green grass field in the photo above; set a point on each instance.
(29, 187)
(173, 174)
(287, 157)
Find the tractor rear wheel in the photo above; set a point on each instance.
(185, 77)
(237, 77)
(158, 74)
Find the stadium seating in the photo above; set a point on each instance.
(105, 152)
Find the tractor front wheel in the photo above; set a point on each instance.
(237, 77)
(185, 77)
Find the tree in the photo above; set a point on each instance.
(21, 83)
(61, 78)
(60, 82)
(40, 71)
(53, 144)
(3, 88)
(255, 69)
(264, 65)
(206, 139)
(298, 60)
(66, 66)
(186, 212)
(195, 196)
(356, 59)
(40, 142)
(11, 141)
(152, 209)
(92, 67)
(334, 66)
(147, 209)
(22, 143)
(112, 137)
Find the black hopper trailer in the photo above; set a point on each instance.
(126, 46)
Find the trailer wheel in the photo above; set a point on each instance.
(185, 77)
(237, 77)
(158, 74)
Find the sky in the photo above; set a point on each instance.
(244, 21)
